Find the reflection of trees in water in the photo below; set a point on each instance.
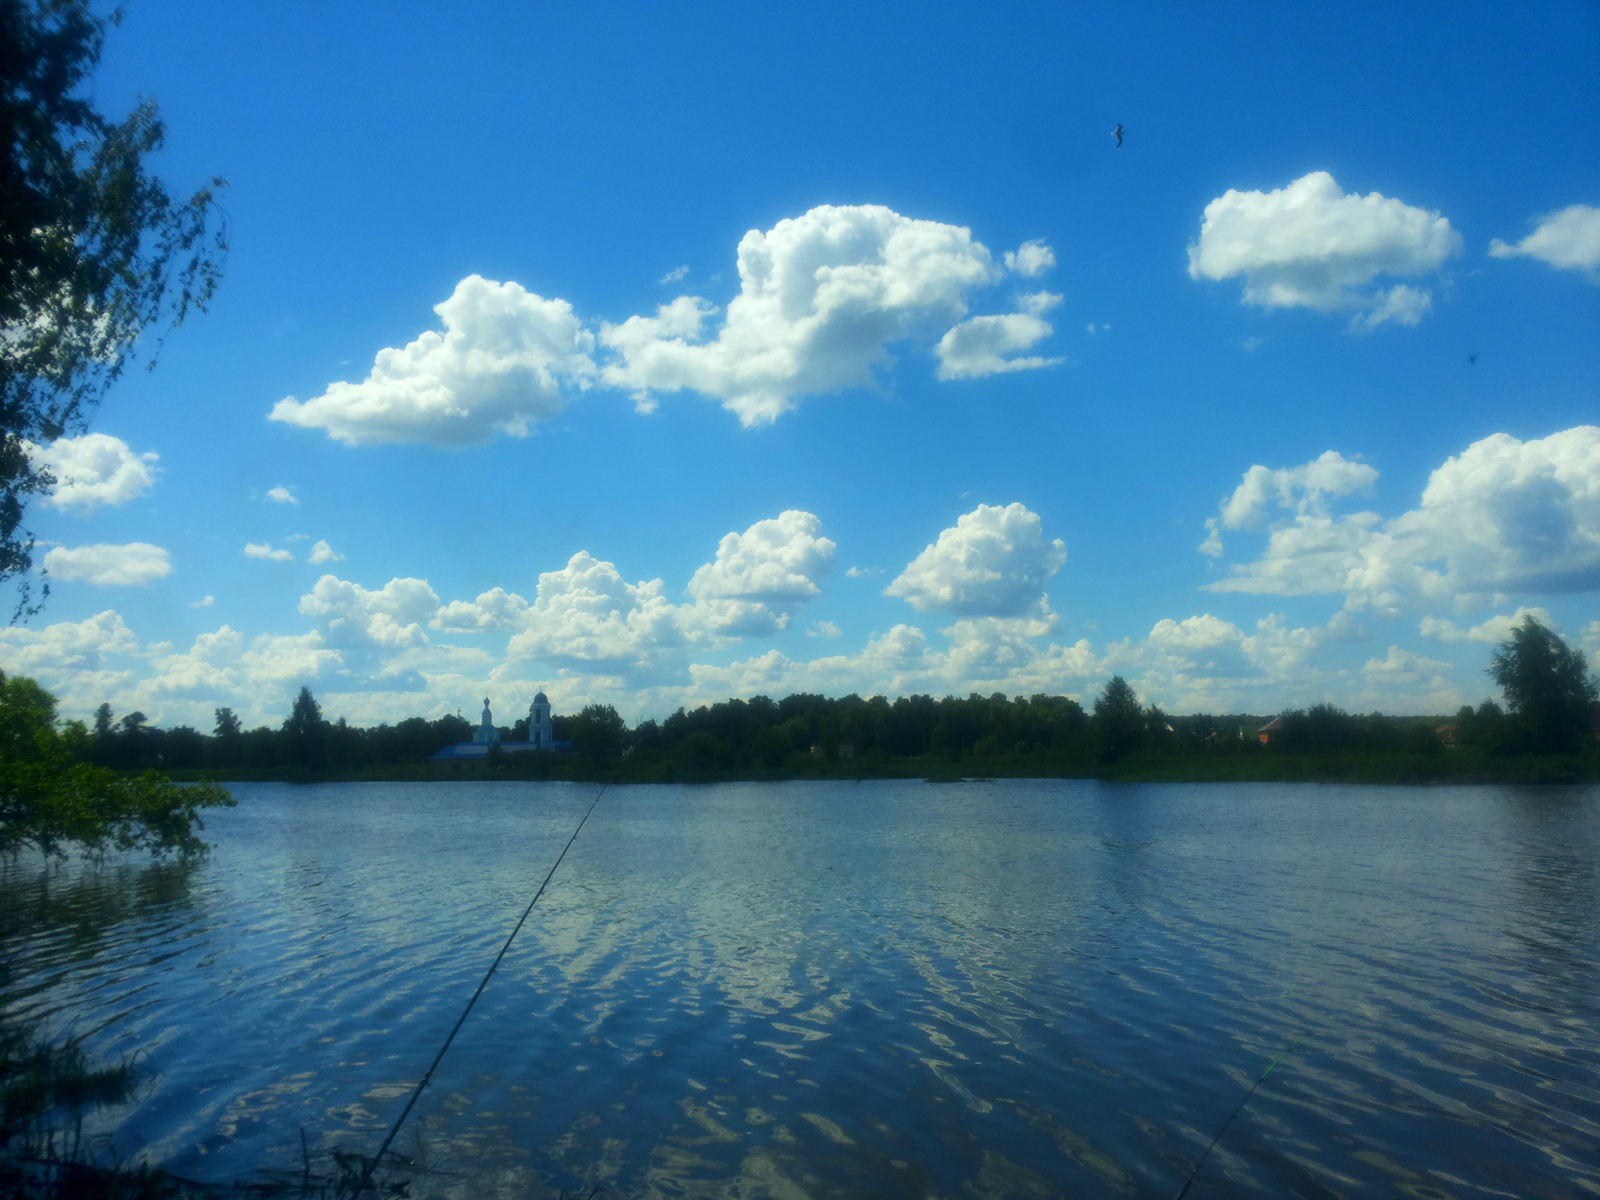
(82, 901)
(1555, 855)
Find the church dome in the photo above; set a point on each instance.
(541, 698)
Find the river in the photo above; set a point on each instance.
(1017, 988)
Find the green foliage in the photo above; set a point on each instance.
(1548, 687)
(1118, 720)
(599, 734)
(94, 251)
(50, 798)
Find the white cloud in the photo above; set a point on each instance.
(1495, 629)
(1402, 666)
(1569, 239)
(1305, 489)
(282, 495)
(109, 566)
(1310, 245)
(500, 366)
(824, 629)
(265, 550)
(863, 572)
(760, 576)
(92, 470)
(587, 616)
(67, 646)
(348, 615)
(977, 346)
(675, 274)
(496, 610)
(1031, 259)
(322, 552)
(1504, 517)
(206, 603)
(992, 563)
(822, 297)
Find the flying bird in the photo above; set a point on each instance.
(1117, 133)
(1473, 359)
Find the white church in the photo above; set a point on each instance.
(541, 736)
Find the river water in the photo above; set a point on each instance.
(1014, 988)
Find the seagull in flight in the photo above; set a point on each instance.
(1117, 133)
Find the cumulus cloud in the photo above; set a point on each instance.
(494, 611)
(348, 615)
(1310, 245)
(107, 565)
(265, 550)
(587, 616)
(822, 297)
(1305, 489)
(978, 346)
(65, 646)
(1031, 259)
(92, 470)
(1503, 517)
(206, 603)
(1569, 239)
(1495, 629)
(322, 553)
(501, 365)
(675, 274)
(824, 629)
(281, 495)
(992, 563)
(1402, 666)
(759, 577)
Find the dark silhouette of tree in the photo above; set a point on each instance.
(94, 251)
(599, 734)
(227, 725)
(304, 731)
(1548, 688)
(1118, 720)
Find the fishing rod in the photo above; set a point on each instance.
(1234, 1114)
(366, 1174)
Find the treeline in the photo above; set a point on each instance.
(1549, 712)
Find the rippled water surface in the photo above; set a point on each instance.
(1019, 988)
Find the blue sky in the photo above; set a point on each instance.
(961, 423)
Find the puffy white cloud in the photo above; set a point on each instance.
(348, 615)
(1495, 629)
(675, 274)
(108, 565)
(496, 610)
(205, 603)
(824, 629)
(821, 298)
(322, 553)
(92, 470)
(1504, 517)
(759, 577)
(1310, 245)
(1402, 666)
(992, 563)
(586, 615)
(265, 550)
(281, 495)
(499, 366)
(1569, 239)
(978, 346)
(1305, 489)
(863, 572)
(65, 646)
(1031, 259)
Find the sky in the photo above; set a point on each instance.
(651, 356)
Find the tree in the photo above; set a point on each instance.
(49, 799)
(227, 725)
(1118, 720)
(1548, 687)
(94, 251)
(598, 733)
(304, 728)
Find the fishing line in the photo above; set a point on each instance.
(1234, 1114)
(366, 1173)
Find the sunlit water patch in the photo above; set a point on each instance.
(879, 989)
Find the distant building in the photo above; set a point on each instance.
(541, 736)
(1271, 729)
